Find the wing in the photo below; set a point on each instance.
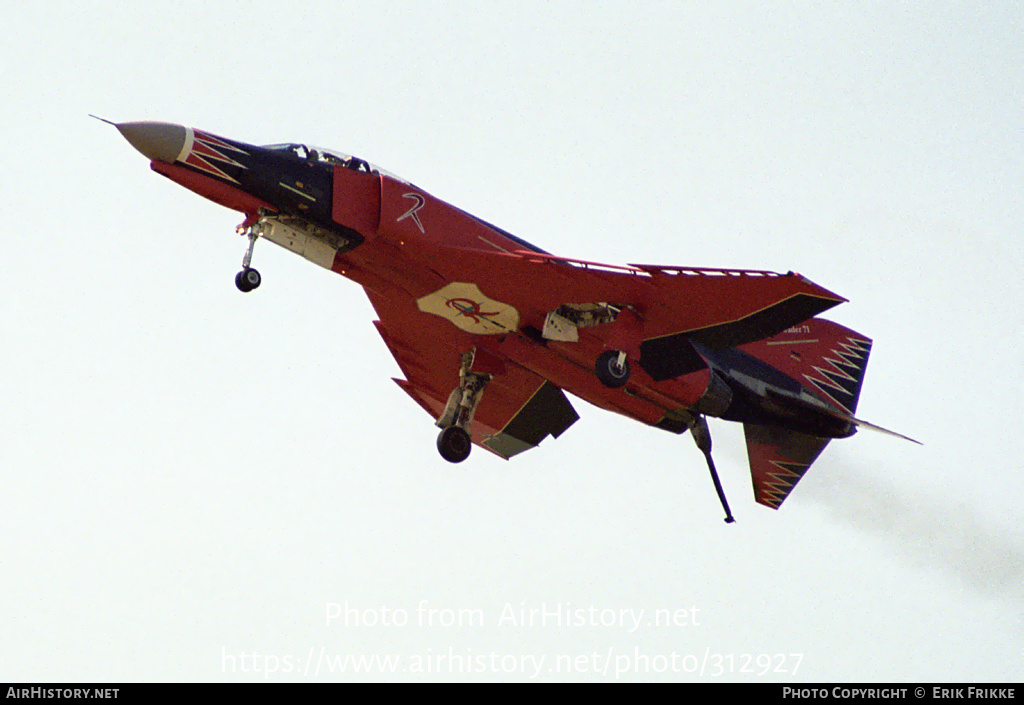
(518, 408)
(719, 308)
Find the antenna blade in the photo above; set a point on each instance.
(872, 427)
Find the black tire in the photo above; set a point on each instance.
(608, 370)
(251, 277)
(454, 444)
(248, 279)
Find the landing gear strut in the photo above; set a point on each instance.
(454, 441)
(248, 279)
(702, 437)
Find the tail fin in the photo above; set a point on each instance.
(825, 357)
(829, 360)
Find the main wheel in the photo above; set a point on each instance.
(248, 279)
(608, 370)
(454, 444)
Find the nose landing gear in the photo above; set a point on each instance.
(248, 279)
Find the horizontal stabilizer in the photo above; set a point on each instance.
(778, 459)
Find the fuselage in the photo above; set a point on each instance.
(416, 255)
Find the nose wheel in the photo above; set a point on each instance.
(248, 279)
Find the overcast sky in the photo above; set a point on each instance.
(199, 484)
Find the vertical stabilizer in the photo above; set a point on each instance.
(827, 358)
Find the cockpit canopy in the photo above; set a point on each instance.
(318, 155)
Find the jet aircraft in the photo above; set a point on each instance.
(490, 331)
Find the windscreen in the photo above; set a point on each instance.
(331, 157)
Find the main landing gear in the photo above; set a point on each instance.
(454, 442)
(248, 279)
(612, 368)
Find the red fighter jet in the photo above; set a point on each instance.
(491, 331)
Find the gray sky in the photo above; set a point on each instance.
(205, 485)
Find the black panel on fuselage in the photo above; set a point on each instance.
(293, 178)
(776, 405)
(297, 186)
